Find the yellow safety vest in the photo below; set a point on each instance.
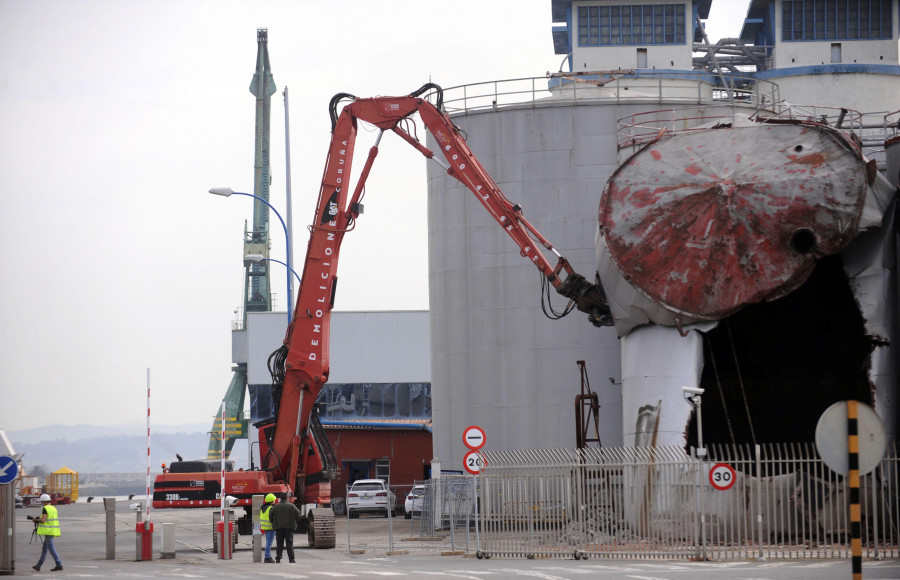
(51, 526)
(265, 524)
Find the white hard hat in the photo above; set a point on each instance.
(45, 497)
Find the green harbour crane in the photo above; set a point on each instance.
(257, 294)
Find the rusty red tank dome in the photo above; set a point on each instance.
(705, 222)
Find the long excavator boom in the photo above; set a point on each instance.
(294, 452)
(306, 365)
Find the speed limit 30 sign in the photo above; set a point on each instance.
(722, 476)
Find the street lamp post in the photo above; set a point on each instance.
(227, 192)
(257, 258)
(694, 396)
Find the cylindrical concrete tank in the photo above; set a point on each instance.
(497, 361)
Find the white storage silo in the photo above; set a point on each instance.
(497, 361)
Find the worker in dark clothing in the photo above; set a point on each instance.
(285, 516)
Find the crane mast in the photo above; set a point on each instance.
(257, 295)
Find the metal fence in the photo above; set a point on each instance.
(658, 502)
(740, 502)
(440, 517)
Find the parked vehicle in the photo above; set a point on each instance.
(414, 501)
(368, 496)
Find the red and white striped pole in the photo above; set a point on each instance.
(149, 497)
(222, 453)
(225, 536)
(144, 529)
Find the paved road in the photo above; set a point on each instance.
(83, 550)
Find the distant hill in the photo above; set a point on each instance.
(114, 452)
(77, 432)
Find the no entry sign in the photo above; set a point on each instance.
(473, 437)
(722, 476)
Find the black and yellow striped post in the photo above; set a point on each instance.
(853, 479)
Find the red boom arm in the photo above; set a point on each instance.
(306, 362)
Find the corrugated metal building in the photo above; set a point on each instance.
(376, 407)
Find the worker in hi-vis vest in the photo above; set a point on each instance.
(265, 526)
(48, 529)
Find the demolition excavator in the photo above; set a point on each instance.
(297, 462)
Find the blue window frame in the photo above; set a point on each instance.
(836, 20)
(631, 24)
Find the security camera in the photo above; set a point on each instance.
(230, 500)
(136, 506)
(692, 390)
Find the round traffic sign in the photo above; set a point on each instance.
(9, 469)
(473, 462)
(722, 476)
(473, 437)
(833, 444)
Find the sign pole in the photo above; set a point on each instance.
(853, 464)
(474, 439)
(477, 509)
(9, 470)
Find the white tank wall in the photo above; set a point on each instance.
(840, 90)
(497, 361)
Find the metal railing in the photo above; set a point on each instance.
(615, 86)
(637, 130)
(892, 125)
(703, 102)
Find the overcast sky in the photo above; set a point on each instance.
(116, 117)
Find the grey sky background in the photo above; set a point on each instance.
(116, 117)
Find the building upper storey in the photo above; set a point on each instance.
(858, 35)
(830, 53)
(634, 34)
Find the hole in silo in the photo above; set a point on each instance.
(798, 148)
(780, 364)
(803, 241)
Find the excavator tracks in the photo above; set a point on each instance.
(321, 528)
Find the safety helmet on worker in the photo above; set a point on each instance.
(270, 498)
(45, 497)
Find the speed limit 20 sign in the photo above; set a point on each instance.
(473, 462)
(722, 476)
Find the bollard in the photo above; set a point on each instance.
(168, 541)
(143, 535)
(144, 532)
(109, 504)
(225, 538)
(257, 534)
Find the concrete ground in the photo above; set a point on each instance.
(82, 548)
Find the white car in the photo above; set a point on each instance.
(370, 495)
(414, 501)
